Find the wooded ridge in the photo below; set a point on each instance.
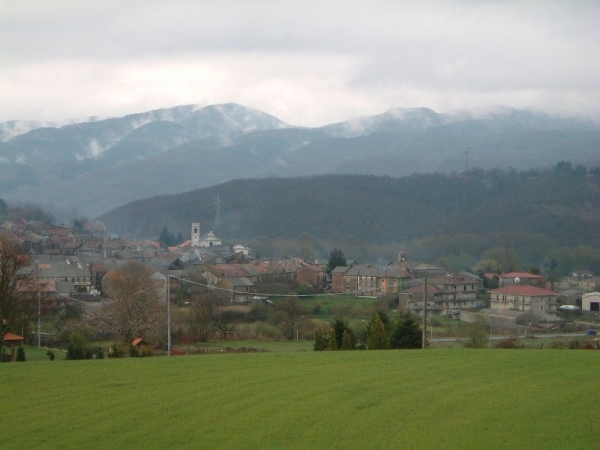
(532, 212)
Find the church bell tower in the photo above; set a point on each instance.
(195, 235)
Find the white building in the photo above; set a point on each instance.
(531, 299)
(590, 302)
(209, 240)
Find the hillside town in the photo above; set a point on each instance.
(69, 264)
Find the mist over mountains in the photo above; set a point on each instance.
(91, 167)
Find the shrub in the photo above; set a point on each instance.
(477, 337)
(50, 355)
(320, 341)
(266, 330)
(77, 348)
(146, 351)
(21, 354)
(115, 351)
(509, 342)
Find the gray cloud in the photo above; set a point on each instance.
(306, 62)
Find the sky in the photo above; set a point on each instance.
(308, 63)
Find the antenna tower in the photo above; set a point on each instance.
(218, 212)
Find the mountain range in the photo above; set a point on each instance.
(92, 166)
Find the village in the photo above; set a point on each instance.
(69, 265)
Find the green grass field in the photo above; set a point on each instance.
(433, 399)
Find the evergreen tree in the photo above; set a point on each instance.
(339, 327)
(21, 354)
(77, 348)
(407, 333)
(320, 341)
(336, 258)
(347, 341)
(378, 337)
(332, 342)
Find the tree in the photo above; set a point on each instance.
(378, 337)
(407, 333)
(3, 210)
(347, 341)
(332, 343)
(21, 354)
(77, 348)
(137, 303)
(201, 319)
(320, 340)
(226, 322)
(12, 259)
(79, 225)
(336, 258)
(290, 312)
(167, 238)
(339, 327)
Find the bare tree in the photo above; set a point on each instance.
(290, 313)
(137, 305)
(12, 259)
(226, 322)
(201, 319)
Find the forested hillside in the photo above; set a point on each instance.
(548, 218)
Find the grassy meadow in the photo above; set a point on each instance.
(438, 398)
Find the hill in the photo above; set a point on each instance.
(532, 212)
(91, 167)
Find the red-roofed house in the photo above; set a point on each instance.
(519, 297)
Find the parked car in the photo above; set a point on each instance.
(590, 332)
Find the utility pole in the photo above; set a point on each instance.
(425, 314)
(168, 314)
(39, 321)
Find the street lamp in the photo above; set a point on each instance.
(430, 329)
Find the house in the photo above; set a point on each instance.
(313, 276)
(369, 280)
(590, 302)
(450, 292)
(525, 298)
(57, 270)
(589, 284)
(241, 288)
(413, 298)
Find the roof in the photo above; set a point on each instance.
(12, 337)
(522, 289)
(528, 275)
(137, 341)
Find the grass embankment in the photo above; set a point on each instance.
(467, 399)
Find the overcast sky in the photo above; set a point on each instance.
(306, 62)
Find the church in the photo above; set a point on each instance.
(209, 240)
